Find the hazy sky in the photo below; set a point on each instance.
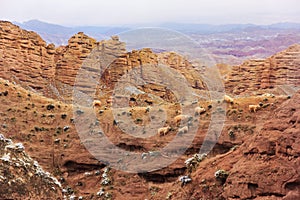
(121, 12)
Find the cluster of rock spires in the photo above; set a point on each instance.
(27, 60)
(30, 62)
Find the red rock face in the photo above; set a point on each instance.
(29, 61)
(265, 166)
(25, 57)
(273, 155)
(254, 75)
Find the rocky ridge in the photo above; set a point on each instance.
(30, 62)
(33, 64)
(276, 73)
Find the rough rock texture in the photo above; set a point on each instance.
(25, 56)
(21, 177)
(280, 69)
(261, 158)
(78, 49)
(27, 60)
(46, 129)
(154, 70)
(265, 166)
(274, 152)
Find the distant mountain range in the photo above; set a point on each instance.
(210, 29)
(59, 35)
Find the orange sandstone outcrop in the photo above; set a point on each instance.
(254, 75)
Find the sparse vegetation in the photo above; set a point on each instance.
(64, 116)
(38, 129)
(57, 141)
(265, 105)
(66, 128)
(50, 107)
(231, 134)
(221, 175)
(154, 190)
(138, 120)
(79, 112)
(58, 130)
(5, 93)
(169, 196)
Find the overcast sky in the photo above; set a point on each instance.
(124, 12)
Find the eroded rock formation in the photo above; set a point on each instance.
(278, 71)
